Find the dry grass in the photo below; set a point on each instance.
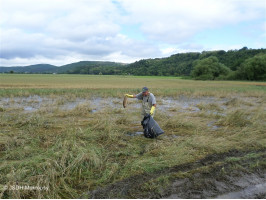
(87, 85)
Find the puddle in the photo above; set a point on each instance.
(246, 186)
(188, 105)
(170, 136)
(94, 110)
(212, 126)
(34, 103)
(73, 104)
(166, 104)
(135, 133)
(29, 108)
(216, 113)
(254, 191)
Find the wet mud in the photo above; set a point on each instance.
(220, 181)
(251, 191)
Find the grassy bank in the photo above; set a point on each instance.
(73, 151)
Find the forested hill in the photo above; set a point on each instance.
(39, 68)
(82, 67)
(90, 67)
(245, 64)
(182, 64)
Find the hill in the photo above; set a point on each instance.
(90, 67)
(39, 68)
(82, 67)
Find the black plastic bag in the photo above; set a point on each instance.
(151, 128)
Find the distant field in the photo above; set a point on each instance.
(117, 85)
(71, 135)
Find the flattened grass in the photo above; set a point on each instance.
(74, 151)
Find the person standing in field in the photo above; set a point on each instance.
(148, 101)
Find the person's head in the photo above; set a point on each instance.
(145, 91)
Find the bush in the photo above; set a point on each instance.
(231, 76)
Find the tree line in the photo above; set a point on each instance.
(242, 64)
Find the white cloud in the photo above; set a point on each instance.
(169, 50)
(73, 30)
(173, 21)
(56, 28)
(19, 61)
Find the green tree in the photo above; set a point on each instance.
(209, 69)
(253, 68)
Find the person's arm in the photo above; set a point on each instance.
(130, 95)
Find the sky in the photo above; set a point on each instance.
(60, 32)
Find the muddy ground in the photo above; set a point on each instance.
(219, 179)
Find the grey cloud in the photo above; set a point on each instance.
(31, 45)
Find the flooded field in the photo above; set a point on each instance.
(175, 115)
(167, 105)
(78, 141)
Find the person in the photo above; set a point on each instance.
(148, 101)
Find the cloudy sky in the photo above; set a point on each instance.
(64, 31)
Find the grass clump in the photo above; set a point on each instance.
(235, 118)
(179, 125)
(210, 106)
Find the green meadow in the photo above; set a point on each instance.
(70, 134)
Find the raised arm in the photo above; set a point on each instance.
(130, 95)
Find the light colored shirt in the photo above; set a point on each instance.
(149, 98)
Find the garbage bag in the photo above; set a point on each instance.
(151, 128)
